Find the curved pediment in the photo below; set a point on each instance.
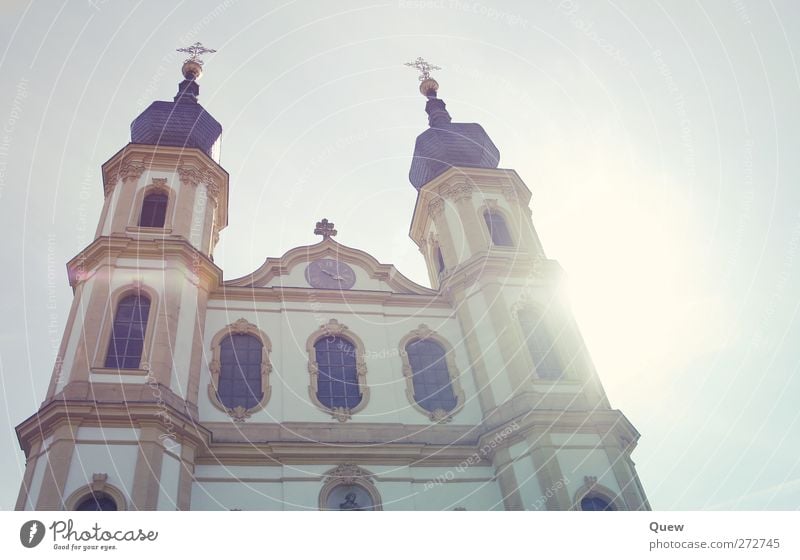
(290, 270)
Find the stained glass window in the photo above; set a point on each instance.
(337, 382)
(127, 335)
(97, 502)
(431, 379)
(239, 381)
(595, 503)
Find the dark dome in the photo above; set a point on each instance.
(447, 144)
(182, 123)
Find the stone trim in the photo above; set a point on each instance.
(99, 484)
(330, 329)
(158, 186)
(99, 361)
(349, 474)
(423, 333)
(591, 489)
(240, 326)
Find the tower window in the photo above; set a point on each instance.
(439, 260)
(99, 501)
(127, 334)
(596, 503)
(154, 210)
(337, 382)
(541, 344)
(239, 381)
(497, 228)
(431, 378)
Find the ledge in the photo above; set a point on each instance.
(120, 371)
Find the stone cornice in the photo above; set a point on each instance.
(107, 249)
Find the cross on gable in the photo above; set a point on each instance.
(325, 229)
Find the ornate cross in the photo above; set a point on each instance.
(424, 67)
(195, 51)
(325, 229)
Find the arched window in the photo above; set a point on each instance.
(239, 381)
(127, 334)
(497, 228)
(431, 378)
(541, 344)
(99, 501)
(596, 503)
(154, 210)
(337, 382)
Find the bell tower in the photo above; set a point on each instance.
(472, 222)
(111, 433)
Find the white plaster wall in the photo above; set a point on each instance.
(289, 331)
(108, 434)
(476, 496)
(490, 352)
(112, 207)
(527, 480)
(38, 474)
(168, 484)
(118, 461)
(75, 333)
(182, 353)
(250, 496)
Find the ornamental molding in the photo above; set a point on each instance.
(348, 473)
(341, 413)
(327, 330)
(240, 326)
(439, 415)
(99, 481)
(160, 182)
(131, 170)
(436, 208)
(511, 194)
(457, 192)
(422, 332)
(334, 327)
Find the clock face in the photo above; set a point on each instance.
(330, 274)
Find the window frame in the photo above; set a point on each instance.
(104, 340)
(423, 332)
(153, 193)
(240, 326)
(99, 485)
(491, 205)
(157, 186)
(330, 329)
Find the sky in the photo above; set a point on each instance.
(659, 140)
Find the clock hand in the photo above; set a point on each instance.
(327, 272)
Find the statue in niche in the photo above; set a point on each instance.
(349, 503)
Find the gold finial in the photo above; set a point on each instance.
(428, 86)
(193, 66)
(325, 229)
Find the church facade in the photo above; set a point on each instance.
(324, 380)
